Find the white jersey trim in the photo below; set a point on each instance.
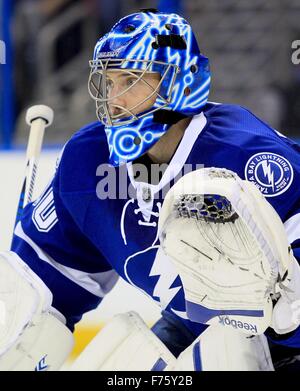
(99, 284)
(177, 162)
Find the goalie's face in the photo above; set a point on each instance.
(123, 94)
(129, 93)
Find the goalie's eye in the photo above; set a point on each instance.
(109, 86)
(130, 81)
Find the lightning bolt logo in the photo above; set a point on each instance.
(269, 174)
(272, 173)
(163, 268)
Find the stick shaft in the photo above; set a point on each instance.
(35, 141)
(32, 156)
(33, 152)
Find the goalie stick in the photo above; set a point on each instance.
(38, 118)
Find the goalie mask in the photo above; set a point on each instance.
(154, 56)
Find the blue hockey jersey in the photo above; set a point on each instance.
(79, 241)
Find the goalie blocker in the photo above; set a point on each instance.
(231, 251)
(33, 336)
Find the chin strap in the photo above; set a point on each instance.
(167, 117)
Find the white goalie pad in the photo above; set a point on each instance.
(124, 344)
(229, 247)
(223, 349)
(32, 338)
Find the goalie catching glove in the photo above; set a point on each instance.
(231, 252)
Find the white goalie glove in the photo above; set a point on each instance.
(231, 252)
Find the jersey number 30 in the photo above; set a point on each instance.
(44, 215)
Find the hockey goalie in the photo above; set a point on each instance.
(238, 272)
(219, 253)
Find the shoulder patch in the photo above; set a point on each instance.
(271, 173)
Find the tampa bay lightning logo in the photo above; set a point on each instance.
(271, 173)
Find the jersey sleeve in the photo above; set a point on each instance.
(50, 240)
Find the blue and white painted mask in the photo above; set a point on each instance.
(139, 45)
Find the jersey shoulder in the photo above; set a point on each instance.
(230, 120)
(80, 158)
(237, 127)
(234, 138)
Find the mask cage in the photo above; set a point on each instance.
(98, 88)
